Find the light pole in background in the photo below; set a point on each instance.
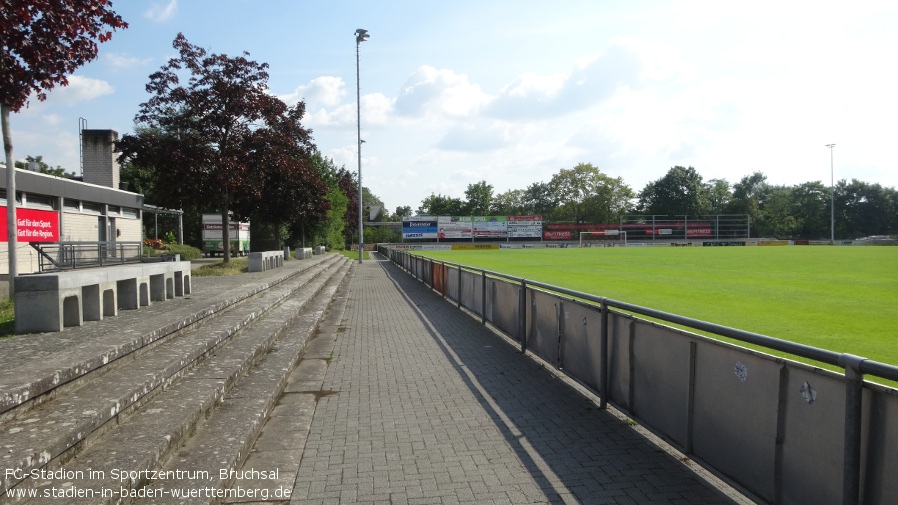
(360, 36)
(832, 198)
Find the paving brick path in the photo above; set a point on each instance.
(425, 405)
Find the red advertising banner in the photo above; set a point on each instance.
(32, 225)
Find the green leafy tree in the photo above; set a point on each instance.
(401, 212)
(540, 199)
(44, 168)
(43, 42)
(680, 192)
(440, 205)
(586, 195)
(864, 209)
(479, 199)
(719, 195)
(509, 203)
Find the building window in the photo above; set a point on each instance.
(40, 202)
(91, 208)
(70, 205)
(131, 213)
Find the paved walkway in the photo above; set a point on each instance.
(425, 405)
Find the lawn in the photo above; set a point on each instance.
(844, 299)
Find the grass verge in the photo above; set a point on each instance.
(843, 299)
(7, 318)
(236, 266)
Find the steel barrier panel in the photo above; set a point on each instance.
(661, 379)
(503, 306)
(471, 291)
(814, 436)
(542, 325)
(619, 387)
(451, 283)
(735, 405)
(437, 276)
(880, 487)
(581, 343)
(427, 272)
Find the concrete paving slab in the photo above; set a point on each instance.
(427, 405)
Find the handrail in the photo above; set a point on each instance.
(864, 365)
(81, 254)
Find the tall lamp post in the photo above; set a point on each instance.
(360, 36)
(832, 198)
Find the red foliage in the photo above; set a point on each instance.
(45, 40)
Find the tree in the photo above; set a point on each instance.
(440, 205)
(584, 194)
(401, 212)
(509, 203)
(679, 192)
(719, 195)
(539, 199)
(349, 185)
(292, 189)
(44, 168)
(479, 199)
(43, 42)
(864, 209)
(199, 135)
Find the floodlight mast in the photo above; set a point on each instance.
(361, 35)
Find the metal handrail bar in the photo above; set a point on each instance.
(866, 366)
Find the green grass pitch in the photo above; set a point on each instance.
(843, 299)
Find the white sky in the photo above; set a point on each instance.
(511, 91)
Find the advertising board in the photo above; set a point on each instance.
(420, 227)
(454, 226)
(490, 226)
(525, 226)
(32, 225)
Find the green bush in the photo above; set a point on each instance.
(187, 252)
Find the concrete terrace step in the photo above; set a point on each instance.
(214, 354)
(33, 365)
(239, 421)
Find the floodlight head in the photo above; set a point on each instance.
(361, 35)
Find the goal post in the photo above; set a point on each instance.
(605, 238)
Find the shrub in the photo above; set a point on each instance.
(187, 252)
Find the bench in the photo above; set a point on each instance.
(304, 253)
(49, 302)
(265, 260)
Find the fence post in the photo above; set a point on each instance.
(483, 297)
(459, 286)
(522, 317)
(854, 390)
(603, 358)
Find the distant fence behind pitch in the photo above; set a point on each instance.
(788, 432)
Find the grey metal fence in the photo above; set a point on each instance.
(70, 255)
(786, 431)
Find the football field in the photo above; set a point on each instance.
(843, 299)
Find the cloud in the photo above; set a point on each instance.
(531, 96)
(429, 90)
(80, 89)
(120, 61)
(470, 139)
(158, 12)
(321, 92)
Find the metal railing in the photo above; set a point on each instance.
(789, 432)
(54, 257)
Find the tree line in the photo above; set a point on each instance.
(583, 194)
